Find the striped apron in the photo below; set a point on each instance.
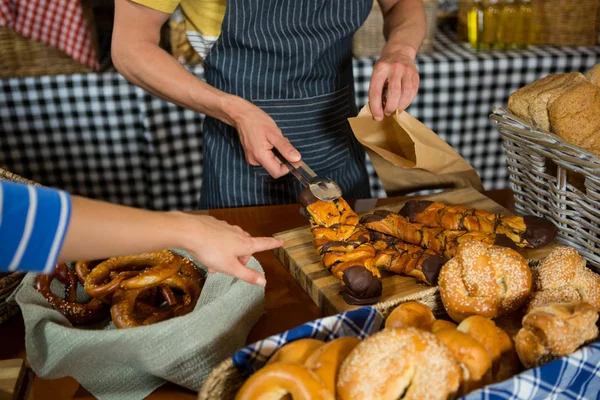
(292, 59)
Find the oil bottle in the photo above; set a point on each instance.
(524, 24)
(509, 13)
(475, 23)
(491, 22)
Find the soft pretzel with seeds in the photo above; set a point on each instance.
(485, 280)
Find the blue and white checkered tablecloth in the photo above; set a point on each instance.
(576, 376)
(99, 136)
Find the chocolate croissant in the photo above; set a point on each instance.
(343, 244)
(528, 231)
(442, 241)
(404, 258)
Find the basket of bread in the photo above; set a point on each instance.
(511, 329)
(124, 326)
(551, 135)
(504, 314)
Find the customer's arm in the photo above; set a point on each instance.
(404, 29)
(136, 54)
(40, 227)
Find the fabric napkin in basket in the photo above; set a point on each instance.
(115, 364)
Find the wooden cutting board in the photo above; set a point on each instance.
(303, 262)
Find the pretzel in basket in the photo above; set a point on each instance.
(76, 313)
(139, 290)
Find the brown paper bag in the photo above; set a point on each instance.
(408, 156)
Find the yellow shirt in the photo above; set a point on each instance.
(203, 16)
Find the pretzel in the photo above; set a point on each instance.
(163, 265)
(83, 268)
(443, 242)
(485, 280)
(123, 310)
(399, 363)
(76, 313)
(528, 231)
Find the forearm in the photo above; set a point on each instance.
(100, 230)
(404, 26)
(137, 55)
(148, 66)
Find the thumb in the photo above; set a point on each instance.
(286, 149)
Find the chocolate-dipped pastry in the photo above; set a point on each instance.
(407, 259)
(528, 231)
(343, 244)
(361, 286)
(442, 241)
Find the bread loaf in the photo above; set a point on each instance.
(593, 75)
(575, 115)
(555, 330)
(531, 102)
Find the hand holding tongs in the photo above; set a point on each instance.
(322, 188)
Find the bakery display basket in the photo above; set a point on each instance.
(554, 180)
(563, 375)
(9, 281)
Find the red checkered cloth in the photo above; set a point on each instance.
(57, 23)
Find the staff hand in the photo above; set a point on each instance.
(399, 71)
(259, 134)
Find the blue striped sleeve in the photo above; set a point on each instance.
(33, 226)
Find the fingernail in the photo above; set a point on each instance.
(379, 119)
(261, 281)
(294, 156)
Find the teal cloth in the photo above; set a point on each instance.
(115, 364)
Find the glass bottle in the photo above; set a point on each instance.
(491, 19)
(524, 29)
(475, 23)
(507, 25)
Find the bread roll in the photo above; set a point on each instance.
(554, 331)
(563, 277)
(397, 363)
(531, 102)
(593, 75)
(498, 344)
(297, 351)
(410, 314)
(440, 324)
(575, 115)
(326, 361)
(473, 357)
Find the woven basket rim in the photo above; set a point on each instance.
(510, 121)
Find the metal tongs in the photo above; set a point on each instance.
(322, 188)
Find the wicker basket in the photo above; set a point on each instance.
(570, 23)
(369, 40)
(10, 281)
(555, 180)
(21, 56)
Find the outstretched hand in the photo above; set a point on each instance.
(225, 248)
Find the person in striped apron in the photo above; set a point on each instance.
(278, 76)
